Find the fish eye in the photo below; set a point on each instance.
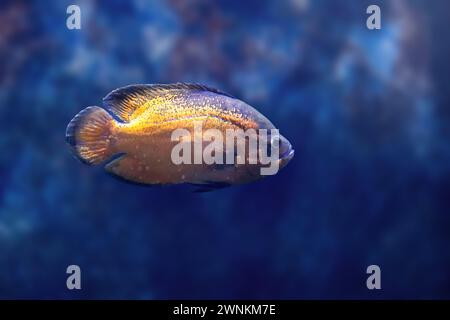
(275, 141)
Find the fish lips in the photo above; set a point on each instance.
(286, 157)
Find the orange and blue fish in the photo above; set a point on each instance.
(132, 134)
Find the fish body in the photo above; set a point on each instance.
(137, 123)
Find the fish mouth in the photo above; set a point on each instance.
(287, 155)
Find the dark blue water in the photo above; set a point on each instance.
(367, 112)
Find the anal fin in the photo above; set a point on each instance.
(130, 169)
(209, 186)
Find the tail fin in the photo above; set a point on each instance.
(89, 135)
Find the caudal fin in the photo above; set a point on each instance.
(89, 135)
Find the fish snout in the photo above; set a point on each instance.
(284, 160)
(286, 152)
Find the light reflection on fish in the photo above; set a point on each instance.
(134, 129)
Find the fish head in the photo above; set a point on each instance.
(286, 151)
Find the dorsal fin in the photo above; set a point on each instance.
(124, 101)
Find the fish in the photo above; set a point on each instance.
(132, 134)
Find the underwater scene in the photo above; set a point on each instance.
(367, 111)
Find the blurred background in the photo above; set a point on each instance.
(366, 111)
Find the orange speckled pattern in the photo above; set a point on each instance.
(148, 115)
